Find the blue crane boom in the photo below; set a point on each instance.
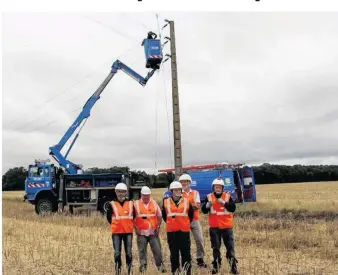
(154, 58)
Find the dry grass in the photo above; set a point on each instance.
(293, 229)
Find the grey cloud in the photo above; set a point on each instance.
(254, 87)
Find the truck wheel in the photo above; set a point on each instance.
(104, 203)
(45, 206)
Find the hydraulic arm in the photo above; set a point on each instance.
(55, 151)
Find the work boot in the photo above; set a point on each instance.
(117, 267)
(162, 269)
(129, 269)
(201, 263)
(214, 270)
(233, 263)
(142, 268)
(215, 267)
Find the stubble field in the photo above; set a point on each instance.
(292, 229)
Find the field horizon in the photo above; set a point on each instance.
(291, 229)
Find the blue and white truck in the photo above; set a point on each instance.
(239, 179)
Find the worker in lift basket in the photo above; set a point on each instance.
(148, 218)
(220, 208)
(195, 226)
(177, 212)
(120, 215)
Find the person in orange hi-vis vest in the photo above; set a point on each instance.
(178, 212)
(220, 208)
(195, 226)
(120, 215)
(148, 218)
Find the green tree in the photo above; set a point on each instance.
(14, 179)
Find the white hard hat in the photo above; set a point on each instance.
(145, 190)
(121, 186)
(175, 184)
(185, 177)
(218, 181)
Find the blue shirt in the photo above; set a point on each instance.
(167, 194)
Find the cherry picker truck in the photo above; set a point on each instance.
(49, 188)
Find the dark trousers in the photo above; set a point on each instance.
(127, 239)
(216, 236)
(179, 242)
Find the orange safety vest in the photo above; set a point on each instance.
(192, 199)
(122, 218)
(219, 217)
(146, 217)
(177, 216)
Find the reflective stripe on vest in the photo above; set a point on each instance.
(138, 212)
(144, 221)
(219, 217)
(116, 212)
(122, 223)
(177, 221)
(223, 212)
(192, 196)
(184, 213)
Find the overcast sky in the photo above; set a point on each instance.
(254, 88)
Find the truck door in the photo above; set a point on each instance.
(249, 188)
(238, 186)
(47, 176)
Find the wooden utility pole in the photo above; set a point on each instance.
(176, 105)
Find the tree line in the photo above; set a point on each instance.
(266, 173)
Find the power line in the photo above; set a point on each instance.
(159, 29)
(136, 21)
(168, 123)
(77, 83)
(76, 96)
(43, 126)
(49, 100)
(156, 130)
(67, 90)
(57, 95)
(111, 28)
(165, 93)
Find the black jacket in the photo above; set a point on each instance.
(110, 211)
(229, 206)
(190, 211)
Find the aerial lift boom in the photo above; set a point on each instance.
(49, 188)
(154, 58)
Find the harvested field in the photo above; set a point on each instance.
(292, 229)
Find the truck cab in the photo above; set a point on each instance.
(40, 177)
